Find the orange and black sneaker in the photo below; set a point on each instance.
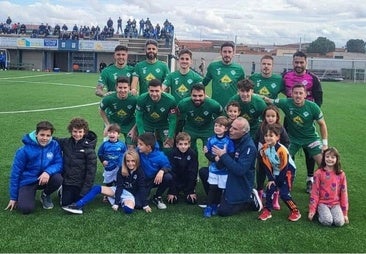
(294, 215)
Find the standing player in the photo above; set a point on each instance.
(147, 70)
(109, 75)
(314, 93)
(224, 75)
(180, 82)
(266, 83)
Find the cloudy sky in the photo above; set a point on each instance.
(249, 22)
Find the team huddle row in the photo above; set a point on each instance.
(237, 125)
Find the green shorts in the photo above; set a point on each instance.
(313, 148)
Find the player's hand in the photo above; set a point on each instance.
(346, 220)
(171, 198)
(218, 151)
(133, 91)
(12, 205)
(270, 183)
(193, 197)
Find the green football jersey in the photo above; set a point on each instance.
(252, 111)
(270, 87)
(300, 120)
(120, 111)
(146, 71)
(180, 84)
(224, 80)
(110, 74)
(152, 116)
(199, 121)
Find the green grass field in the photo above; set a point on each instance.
(28, 97)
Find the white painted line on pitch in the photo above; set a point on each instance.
(48, 83)
(48, 109)
(40, 75)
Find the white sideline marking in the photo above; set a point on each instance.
(48, 109)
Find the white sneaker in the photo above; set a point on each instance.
(158, 201)
(257, 200)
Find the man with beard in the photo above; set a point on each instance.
(156, 112)
(198, 113)
(314, 93)
(224, 75)
(147, 70)
(109, 75)
(266, 83)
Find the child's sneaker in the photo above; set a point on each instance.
(294, 215)
(214, 210)
(46, 201)
(207, 212)
(158, 201)
(265, 215)
(73, 208)
(275, 202)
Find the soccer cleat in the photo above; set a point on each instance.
(257, 200)
(214, 210)
(294, 215)
(275, 202)
(158, 201)
(73, 209)
(265, 215)
(46, 201)
(207, 212)
(309, 184)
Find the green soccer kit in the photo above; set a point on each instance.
(270, 87)
(180, 84)
(252, 111)
(146, 71)
(120, 111)
(110, 74)
(224, 78)
(158, 116)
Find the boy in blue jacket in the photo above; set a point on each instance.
(37, 165)
(156, 167)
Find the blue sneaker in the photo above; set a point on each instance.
(207, 212)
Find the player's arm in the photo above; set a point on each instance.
(134, 85)
(105, 120)
(99, 90)
(323, 132)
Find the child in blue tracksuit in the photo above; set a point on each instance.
(217, 175)
(110, 154)
(156, 167)
(37, 165)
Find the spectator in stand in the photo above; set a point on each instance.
(64, 28)
(157, 31)
(57, 30)
(8, 21)
(142, 25)
(2, 61)
(119, 25)
(23, 29)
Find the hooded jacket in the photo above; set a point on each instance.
(154, 161)
(31, 160)
(80, 161)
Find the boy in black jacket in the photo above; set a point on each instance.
(184, 162)
(80, 161)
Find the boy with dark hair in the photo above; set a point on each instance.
(37, 165)
(80, 161)
(184, 162)
(156, 167)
